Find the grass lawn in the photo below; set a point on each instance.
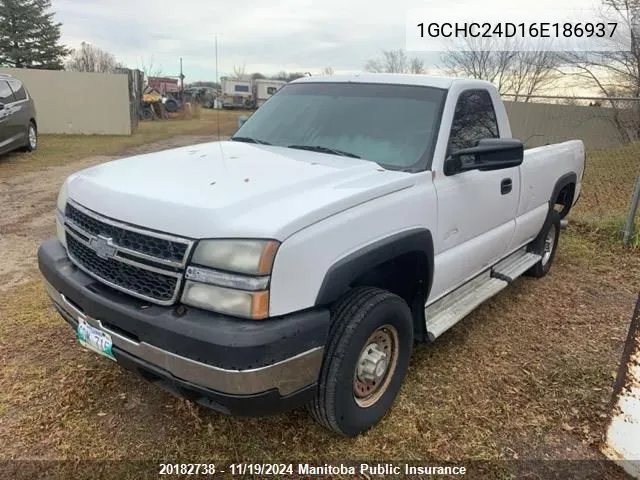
(55, 150)
(608, 186)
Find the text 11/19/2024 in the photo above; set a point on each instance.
(283, 470)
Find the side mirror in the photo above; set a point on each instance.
(488, 154)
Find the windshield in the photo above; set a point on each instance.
(392, 125)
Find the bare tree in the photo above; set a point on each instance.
(532, 72)
(327, 71)
(512, 71)
(149, 68)
(89, 58)
(240, 72)
(282, 75)
(416, 65)
(614, 73)
(395, 61)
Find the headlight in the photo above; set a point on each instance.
(224, 279)
(254, 305)
(62, 198)
(231, 277)
(252, 257)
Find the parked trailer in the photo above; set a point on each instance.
(263, 90)
(236, 93)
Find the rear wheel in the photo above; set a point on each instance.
(32, 137)
(366, 360)
(545, 245)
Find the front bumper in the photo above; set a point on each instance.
(241, 367)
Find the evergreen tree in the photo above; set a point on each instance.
(29, 36)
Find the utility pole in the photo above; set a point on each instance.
(181, 80)
(218, 88)
(217, 79)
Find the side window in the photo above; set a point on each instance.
(271, 90)
(19, 91)
(473, 120)
(6, 95)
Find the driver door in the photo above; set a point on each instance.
(476, 209)
(6, 99)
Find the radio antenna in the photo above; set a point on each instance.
(217, 104)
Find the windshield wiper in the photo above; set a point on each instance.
(249, 140)
(319, 148)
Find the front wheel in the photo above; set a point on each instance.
(366, 360)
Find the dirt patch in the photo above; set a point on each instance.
(27, 205)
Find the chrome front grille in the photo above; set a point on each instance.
(142, 263)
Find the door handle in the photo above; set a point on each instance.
(505, 186)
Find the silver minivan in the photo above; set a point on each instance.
(18, 127)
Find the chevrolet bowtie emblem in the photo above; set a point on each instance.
(103, 247)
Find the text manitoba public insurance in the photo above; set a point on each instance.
(380, 469)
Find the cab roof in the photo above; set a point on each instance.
(396, 79)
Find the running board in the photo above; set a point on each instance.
(514, 265)
(449, 310)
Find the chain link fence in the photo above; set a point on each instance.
(610, 130)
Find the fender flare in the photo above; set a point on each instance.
(340, 275)
(562, 182)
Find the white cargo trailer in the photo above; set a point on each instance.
(264, 89)
(236, 93)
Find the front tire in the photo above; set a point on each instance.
(366, 360)
(545, 245)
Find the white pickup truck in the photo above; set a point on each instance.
(298, 262)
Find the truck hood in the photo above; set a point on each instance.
(231, 189)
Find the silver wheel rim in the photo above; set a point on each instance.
(376, 365)
(549, 243)
(33, 139)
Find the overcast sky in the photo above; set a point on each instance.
(291, 35)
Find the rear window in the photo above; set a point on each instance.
(19, 91)
(6, 95)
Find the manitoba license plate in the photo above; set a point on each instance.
(94, 339)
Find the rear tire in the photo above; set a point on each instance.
(545, 245)
(365, 362)
(32, 138)
(171, 105)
